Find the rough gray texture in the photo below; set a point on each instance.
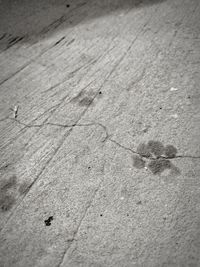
(82, 85)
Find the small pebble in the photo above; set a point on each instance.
(173, 89)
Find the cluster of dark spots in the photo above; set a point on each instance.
(157, 166)
(48, 221)
(138, 162)
(156, 157)
(6, 201)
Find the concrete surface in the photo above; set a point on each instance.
(91, 95)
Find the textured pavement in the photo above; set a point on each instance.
(99, 133)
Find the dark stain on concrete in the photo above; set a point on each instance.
(6, 201)
(143, 150)
(48, 221)
(138, 162)
(156, 157)
(83, 98)
(7, 184)
(170, 151)
(86, 101)
(156, 148)
(157, 166)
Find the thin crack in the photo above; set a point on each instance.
(80, 223)
(107, 135)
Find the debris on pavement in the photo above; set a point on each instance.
(48, 221)
(173, 89)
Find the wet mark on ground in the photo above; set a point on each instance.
(155, 157)
(48, 221)
(84, 98)
(7, 198)
(6, 201)
(10, 188)
(86, 101)
(9, 183)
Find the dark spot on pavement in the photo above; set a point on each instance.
(100, 93)
(156, 147)
(157, 156)
(101, 215)
(170, 151)
(67, 5)
(6, 202)
(143, 150)
(138, 162)
(8, 183)
(83, 98)
(139, 202)
(157, 166)
(48, 221)
(86, 101)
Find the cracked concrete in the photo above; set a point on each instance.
(99, 127)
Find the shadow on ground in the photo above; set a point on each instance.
(29, 21)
